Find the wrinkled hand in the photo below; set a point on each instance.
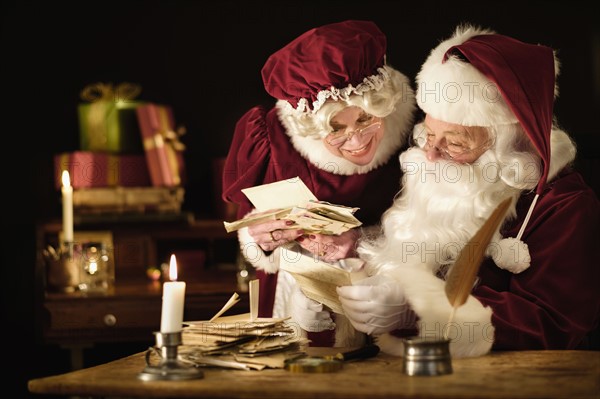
(309, 314)
(331, 247)
(274, 233)
(376, 306)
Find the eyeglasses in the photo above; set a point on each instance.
(450, 150)
(337, 139)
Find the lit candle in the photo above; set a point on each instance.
(172, 301)
(67, 203)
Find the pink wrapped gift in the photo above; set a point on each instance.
(164, 151)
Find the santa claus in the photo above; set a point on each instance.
(488, 134)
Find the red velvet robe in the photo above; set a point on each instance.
(556, 301)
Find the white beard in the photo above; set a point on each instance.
(441, 206)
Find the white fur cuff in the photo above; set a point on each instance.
(254, 254)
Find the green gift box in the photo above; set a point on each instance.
(109, 122)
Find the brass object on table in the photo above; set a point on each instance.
(329, 364)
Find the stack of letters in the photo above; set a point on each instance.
(291, 200)
(242, 341)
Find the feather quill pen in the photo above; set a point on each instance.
(462, 274)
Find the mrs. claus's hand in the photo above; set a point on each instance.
(274, 233)
(331, 247)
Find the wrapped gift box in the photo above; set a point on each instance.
(109, 126)
(100, 169)
(164, 151)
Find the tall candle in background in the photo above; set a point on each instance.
(67, 203)
(172, 301)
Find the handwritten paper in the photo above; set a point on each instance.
(317, 279)
(281, 194)
(291, 200)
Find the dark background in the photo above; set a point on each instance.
(204, 59)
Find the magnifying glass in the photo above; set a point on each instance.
(329, 364)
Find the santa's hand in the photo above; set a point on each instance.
(376, 306)
(309, 314)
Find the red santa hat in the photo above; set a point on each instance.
(328, 62)
(480, 78)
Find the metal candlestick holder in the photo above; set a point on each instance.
(169, 367)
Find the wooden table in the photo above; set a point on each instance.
(527, 374)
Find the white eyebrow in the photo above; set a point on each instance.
(451, 132)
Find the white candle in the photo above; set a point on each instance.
(172, 301)
(67, 203)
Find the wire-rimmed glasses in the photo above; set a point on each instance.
(337, 139)
(450, 149)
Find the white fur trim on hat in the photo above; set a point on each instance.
(373, 82)
(471, 332)
(456, 92)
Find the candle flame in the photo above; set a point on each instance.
(173, 268)
(66, 180)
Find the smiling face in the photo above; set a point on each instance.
(462, 144)
(355, 135)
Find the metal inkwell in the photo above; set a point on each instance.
(426, 357)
